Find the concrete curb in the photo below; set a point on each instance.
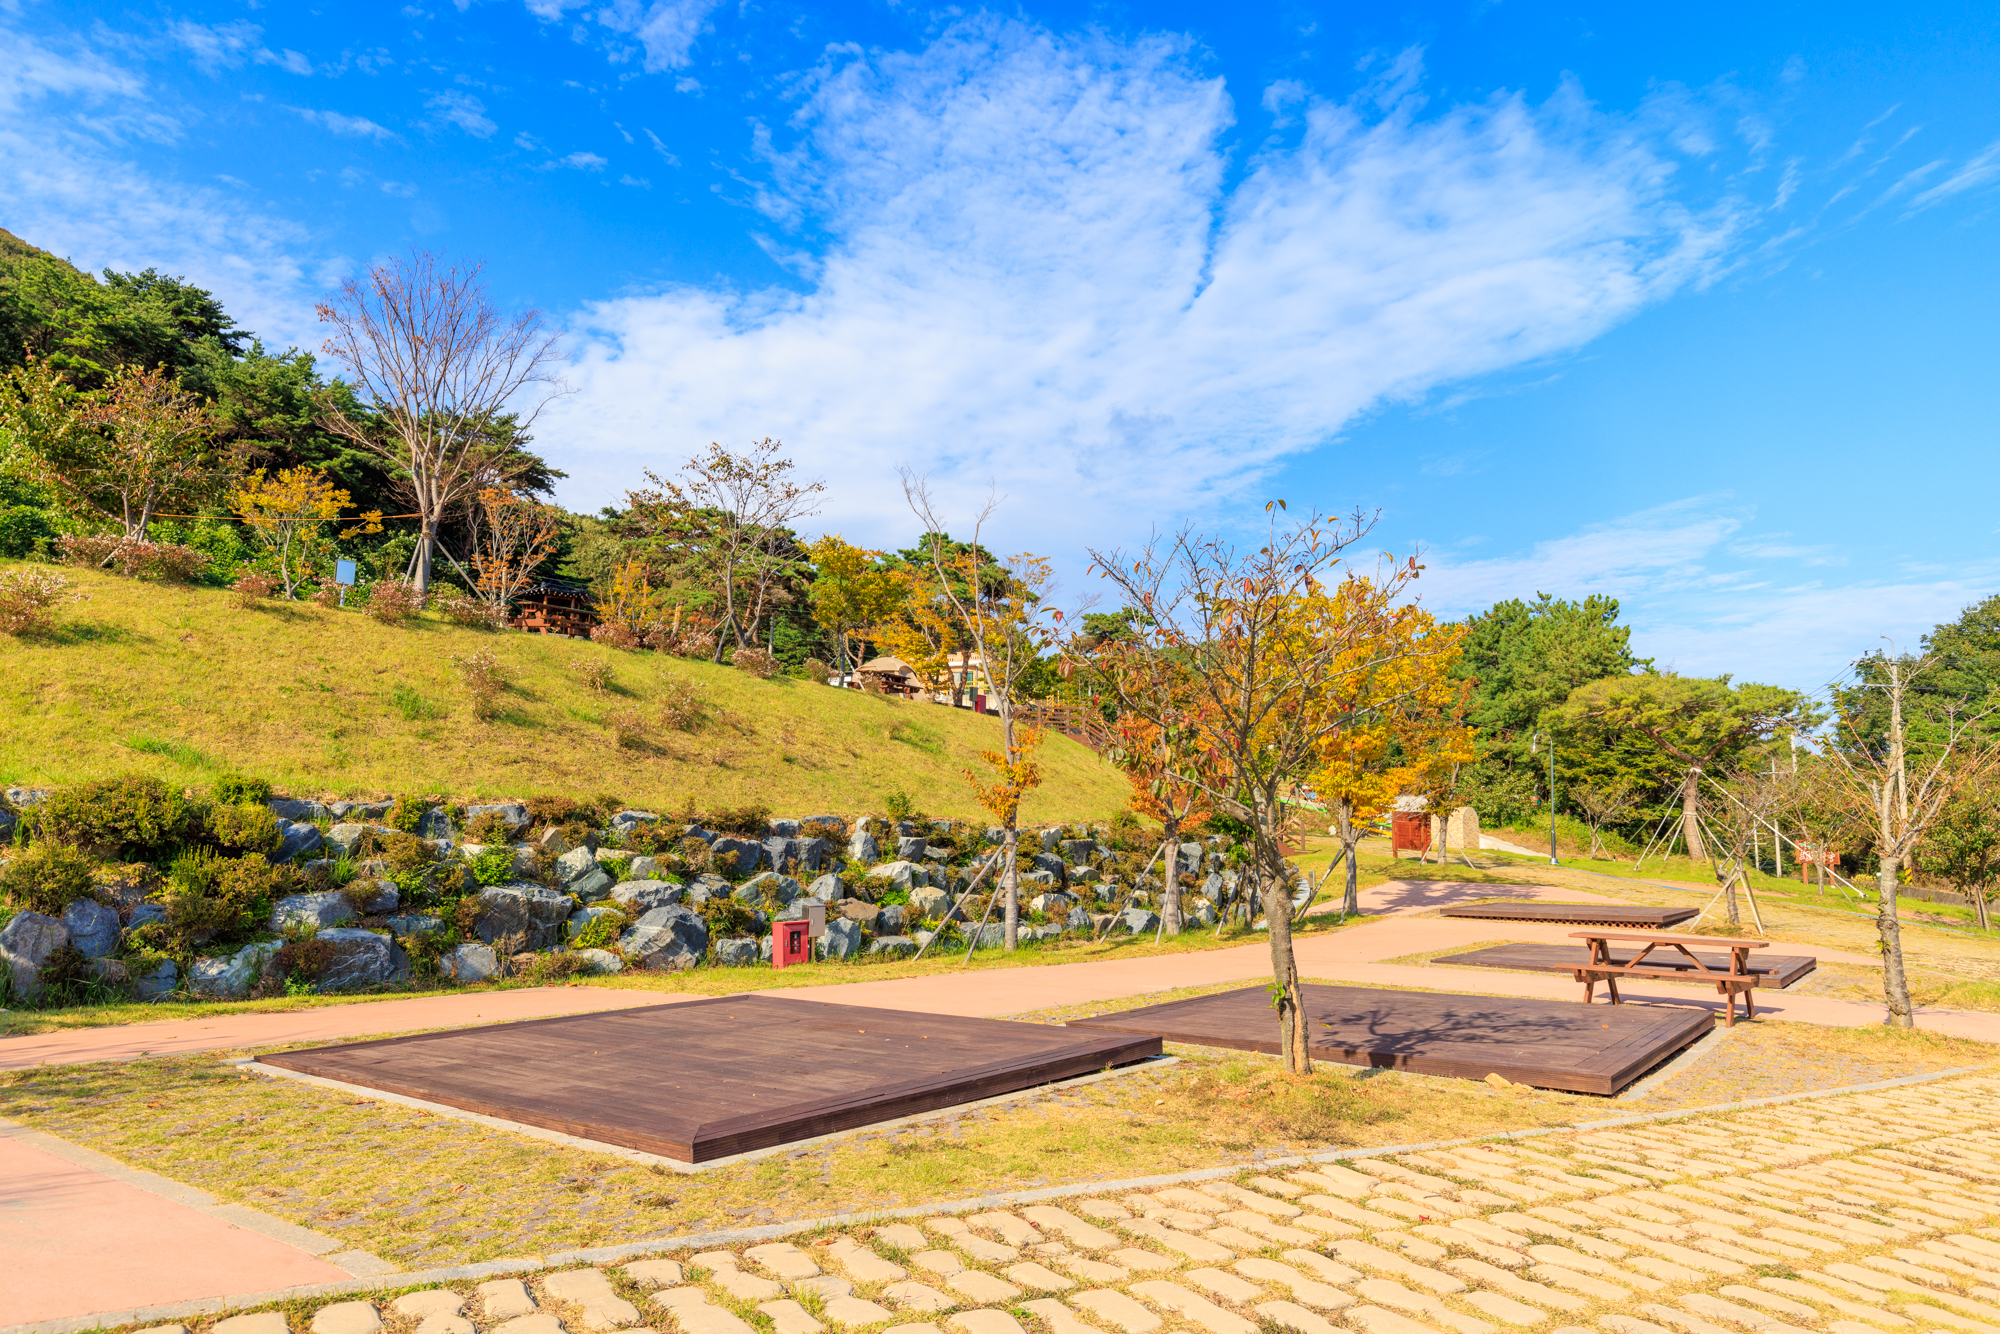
(529, 1264)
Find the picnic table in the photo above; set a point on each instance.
(1736, 978)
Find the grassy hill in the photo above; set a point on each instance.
(183, 683)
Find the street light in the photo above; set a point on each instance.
(1534, 747)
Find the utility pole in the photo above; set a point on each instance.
(1533, 744)
(1778, 838)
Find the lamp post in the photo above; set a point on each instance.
(1534, 745)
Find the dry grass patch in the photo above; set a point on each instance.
(1772, 1058)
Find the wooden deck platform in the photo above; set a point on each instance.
(1772, 970)
(709, 1078)
(1549, 1044)
(1574, 914)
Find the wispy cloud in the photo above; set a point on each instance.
(1982, 170)
(1636, 552)
(1703, 596)
(465, 111)
(577, 162)
(356, 127)
(1024, 264)
(71, 186)
(666, 30)
(220, 46)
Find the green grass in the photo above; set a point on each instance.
(180, 682)
(178, 751)
(414, 707)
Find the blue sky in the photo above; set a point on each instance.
(1694, 306)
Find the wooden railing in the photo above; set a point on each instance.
(1079, 723)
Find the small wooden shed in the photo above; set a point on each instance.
(555, 607)
(892, 675)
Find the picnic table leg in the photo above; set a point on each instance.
(1750, 1002)
(1611, 984)
(1729, 1004)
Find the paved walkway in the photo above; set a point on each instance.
(78, 1240)
(71, 1214)
(331, 1023)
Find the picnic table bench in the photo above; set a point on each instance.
(1737, 978)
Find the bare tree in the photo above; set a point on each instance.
(1604, 803)
(1273, 654)
(727, 518)
(1001, 611)
(435, 363)
(1903, 795)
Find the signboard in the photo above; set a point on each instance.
(343, 572)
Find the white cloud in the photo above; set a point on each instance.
(221, 46)
(71, 188)
(666, 30)
(1704, 601)
(1982, 170)
(1665, 546)
(1030, 270)
(356, 127)
(465, 111)
(578, 162)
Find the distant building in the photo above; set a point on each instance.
(555, 607)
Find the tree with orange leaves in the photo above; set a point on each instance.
(1155, 742)
(512, 535)
(1002, 612)
(1268, 651)
(1155, 761)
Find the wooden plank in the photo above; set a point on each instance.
(1772, 970)
(709, 1078)
(1663, 939)
(1576, 914)
(1549, 1044)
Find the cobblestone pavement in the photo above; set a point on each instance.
(1850, 1215)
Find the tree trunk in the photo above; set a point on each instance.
(1690, 822)
(1287, 998)
(1977, 893)
(1170, 900)
(1895, 985)
(426, 543)
(1010, 882)
(1350, 839)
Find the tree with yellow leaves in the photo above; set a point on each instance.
(850, 593)
(1402, 729)
(631, 613)
(922, 631)
(290, 512)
